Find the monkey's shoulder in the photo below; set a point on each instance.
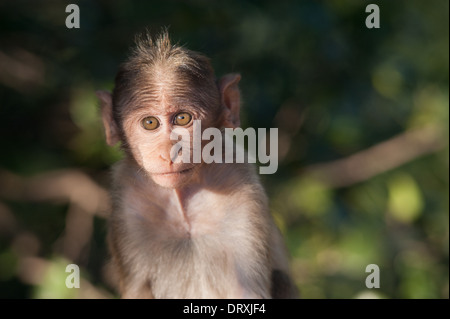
(229, 177)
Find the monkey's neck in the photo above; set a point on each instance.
(182, 195)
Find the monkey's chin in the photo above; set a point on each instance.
(173, 180)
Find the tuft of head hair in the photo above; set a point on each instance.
(161, 52)
(156, 60)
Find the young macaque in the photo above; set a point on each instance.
(184, 230)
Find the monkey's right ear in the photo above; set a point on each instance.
(230, 98)
(111, 132)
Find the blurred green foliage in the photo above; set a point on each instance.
(310, 68)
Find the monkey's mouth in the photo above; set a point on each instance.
(184, 171)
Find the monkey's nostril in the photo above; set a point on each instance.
(165, 157)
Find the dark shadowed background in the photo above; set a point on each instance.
(363, 135)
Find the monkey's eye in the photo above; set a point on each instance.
(182, 119)
(150, 123)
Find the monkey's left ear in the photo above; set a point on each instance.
(111, 132)
(231, 99)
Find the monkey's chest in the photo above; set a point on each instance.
(196, 250)
(195, 262)
(205, 214)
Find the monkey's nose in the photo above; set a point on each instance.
(170, 157)
(166, 157)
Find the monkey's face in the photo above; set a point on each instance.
(161, 141)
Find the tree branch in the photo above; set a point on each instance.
(380, 158)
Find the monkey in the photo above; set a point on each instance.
(184, 230)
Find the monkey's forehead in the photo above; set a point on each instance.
(145, 103)
(163, 108)
(170, 96)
